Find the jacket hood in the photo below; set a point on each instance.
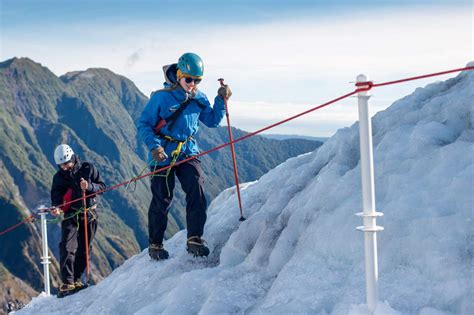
(170, 75)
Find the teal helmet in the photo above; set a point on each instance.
(191, 64)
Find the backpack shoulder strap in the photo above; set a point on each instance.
(173, 117)
(201, 106)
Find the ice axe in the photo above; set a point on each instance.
(231, 139)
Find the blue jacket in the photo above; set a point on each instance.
(163, 103)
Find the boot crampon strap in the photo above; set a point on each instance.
(157, 252)
(66, 289)
(196, 246)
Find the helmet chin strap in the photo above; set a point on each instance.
(189, 95)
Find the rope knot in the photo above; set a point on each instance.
(364, 86)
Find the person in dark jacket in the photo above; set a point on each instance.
(69, 182)
(167, 125)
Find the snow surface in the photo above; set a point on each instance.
(299, 253)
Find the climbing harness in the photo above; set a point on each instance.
(175, 154)
(59, 218)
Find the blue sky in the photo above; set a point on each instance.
(280, 57)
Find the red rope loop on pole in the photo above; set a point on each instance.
(364, 86)
(368, 83)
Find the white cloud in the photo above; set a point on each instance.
(382, 42)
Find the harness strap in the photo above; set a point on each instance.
(174, 156)
(93, 207)
(171, 139)
(81, 210)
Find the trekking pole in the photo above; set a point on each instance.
(85, 234)
(236, 176)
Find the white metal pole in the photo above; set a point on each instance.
(369, 214)
(45, 258)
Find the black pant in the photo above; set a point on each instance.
(72, 248)
(192, 181)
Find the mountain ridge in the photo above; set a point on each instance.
(96, 115)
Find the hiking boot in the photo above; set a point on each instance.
(157, 252)
(66, 289)
(195, 246)
(79, 285)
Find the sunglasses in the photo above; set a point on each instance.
(65, 165)
(189, 80)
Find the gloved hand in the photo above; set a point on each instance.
(159, 154)
(224, 92)
(56, 211)
(84, 184)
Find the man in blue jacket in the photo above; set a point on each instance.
(168, 125)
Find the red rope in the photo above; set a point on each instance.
(420, 77)
(17, 225)
(366, 86)
(213, 149)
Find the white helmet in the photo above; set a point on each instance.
(62, 154)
